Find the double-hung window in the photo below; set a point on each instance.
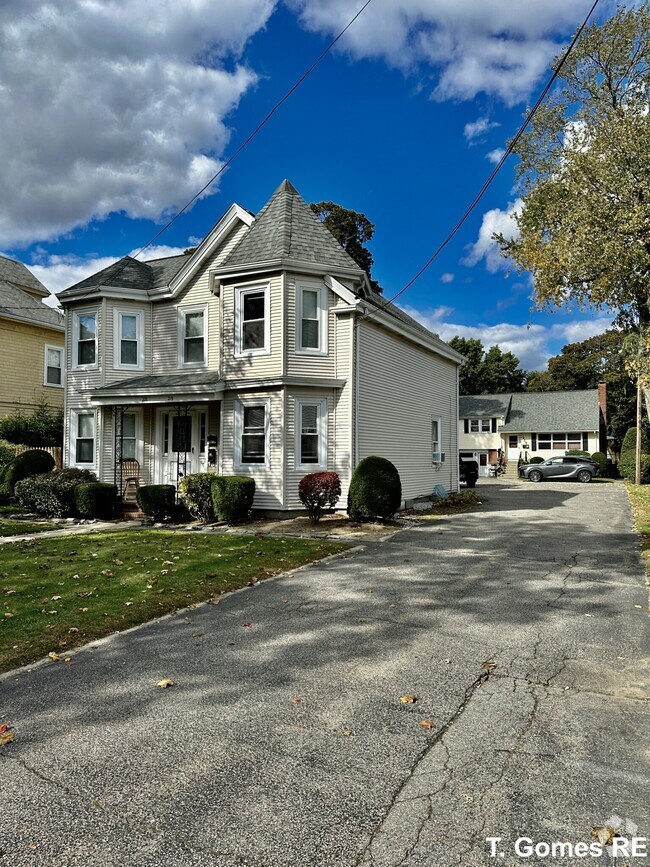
(252, 325)
(53, 366)
(311, 441)
(129, 439)
(252, 424)
(129, 340)
(192, 336)
(84, 437)
(436, 435)
(480, 425)
(85, 340)
(311, 319)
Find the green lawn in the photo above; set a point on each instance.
(12, 510)
(61, 593)
(20, 528)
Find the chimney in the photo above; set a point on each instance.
(602, 405)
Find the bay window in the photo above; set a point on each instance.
(128, 350)
(311, 319)
(251, 433)
(84, 338)
(252, 321)
(311, 439)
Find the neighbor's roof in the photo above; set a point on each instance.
(129, 273)
(484, 405)
(15, 300)
(561, 411)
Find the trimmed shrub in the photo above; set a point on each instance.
(232, 498)
(53, 494)
(536, 460)
(627, 468)
(195, 492)
(95, 499)
(375, 490)
(318, 492)
(628, 446)
(581, 452)
(601, 459)
(29, 463)
(157, 501)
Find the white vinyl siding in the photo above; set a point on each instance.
(311, 363)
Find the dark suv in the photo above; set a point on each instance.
(468, 472)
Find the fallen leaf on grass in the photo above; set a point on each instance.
(55, 598)
(427, 724)
(107, 572)
(213, 600)
(118, 562)
(409, 698)
(54, 656)
(489, 665)
(165, 683)
(9, 614)
(73, 630)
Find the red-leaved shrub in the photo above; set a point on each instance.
(318, 492)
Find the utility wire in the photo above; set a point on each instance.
(477, 198)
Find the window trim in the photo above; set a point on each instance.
(321, 428)
(182, 313)
(240, 293)
(321, 303)
(61, 351)
(480, 423)
(545, 441)
(139, 434)
(118, 312)
(74, 427)
(239, 430)
(436, 457)
(75, 340)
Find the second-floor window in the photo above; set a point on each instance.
(252, 324)
(54, 366)
(85, 339)
(192, 336)
(480, 425)
(129, 339)
(311, 319)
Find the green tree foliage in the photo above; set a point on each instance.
(584, 178)
(586, 363)
(43, 428)
(491, 372)
(352, 230)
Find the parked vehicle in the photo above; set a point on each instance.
(468, 472)
(581, 468)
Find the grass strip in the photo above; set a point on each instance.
(61, 593)
(21, 528)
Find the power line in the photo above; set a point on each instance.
(477, 198)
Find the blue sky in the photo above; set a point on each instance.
(122, 110)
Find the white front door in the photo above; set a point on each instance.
(182, 446)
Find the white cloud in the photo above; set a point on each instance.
(118, 106)
(477, 128)
(447, 277)
(485, 247)
(495, 155)
(530, 343)
(495, 47)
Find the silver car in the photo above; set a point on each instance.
(581, 468)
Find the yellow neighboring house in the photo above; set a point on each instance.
(32, 337)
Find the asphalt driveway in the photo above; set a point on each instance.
(284, 740)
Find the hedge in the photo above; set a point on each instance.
(95, 499)
(53, 494)
(232, 498)
(195, 492)
(157, 501)
(375, 490)
(536, 460)
(29, 463)
(318, 492)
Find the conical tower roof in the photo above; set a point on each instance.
(286, 228)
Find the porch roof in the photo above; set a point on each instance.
(160, 388)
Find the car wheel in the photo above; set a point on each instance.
(584, 476)
(535, 476)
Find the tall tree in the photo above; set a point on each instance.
(491, 372)
(352, 230)
(584, 176)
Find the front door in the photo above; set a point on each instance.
(182, 446)
(483, 466)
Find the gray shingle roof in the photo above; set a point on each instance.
(17, 302)
(484, 405)
(548, 411)
(129, 273)
(163, 270)
(286, 228)
(162, 382)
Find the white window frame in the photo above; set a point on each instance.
(239, 430)
(139, 434)
(118, 313)
(61, 351)
(321, 421)
(480, 425)
(182, 313)
(240, 293)
(74, 427)
(75, 340)
(436, 457)
(321, 304)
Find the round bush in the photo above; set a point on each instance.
(319, 491)
(601, 459)
(195, 492)
(157, 501)
(95, 499)
(375, 490)
(232, 498)
(536, 460)
(53, 494)
(627, 468)
(628, 446)
(29, 463)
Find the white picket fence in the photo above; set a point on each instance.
(55, 451)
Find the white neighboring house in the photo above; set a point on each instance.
(531, 424)
(264, 353)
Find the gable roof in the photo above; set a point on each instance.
(484, 405)
(16, 283)
(548, 411)
(286, 228)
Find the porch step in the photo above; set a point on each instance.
(129, 510)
